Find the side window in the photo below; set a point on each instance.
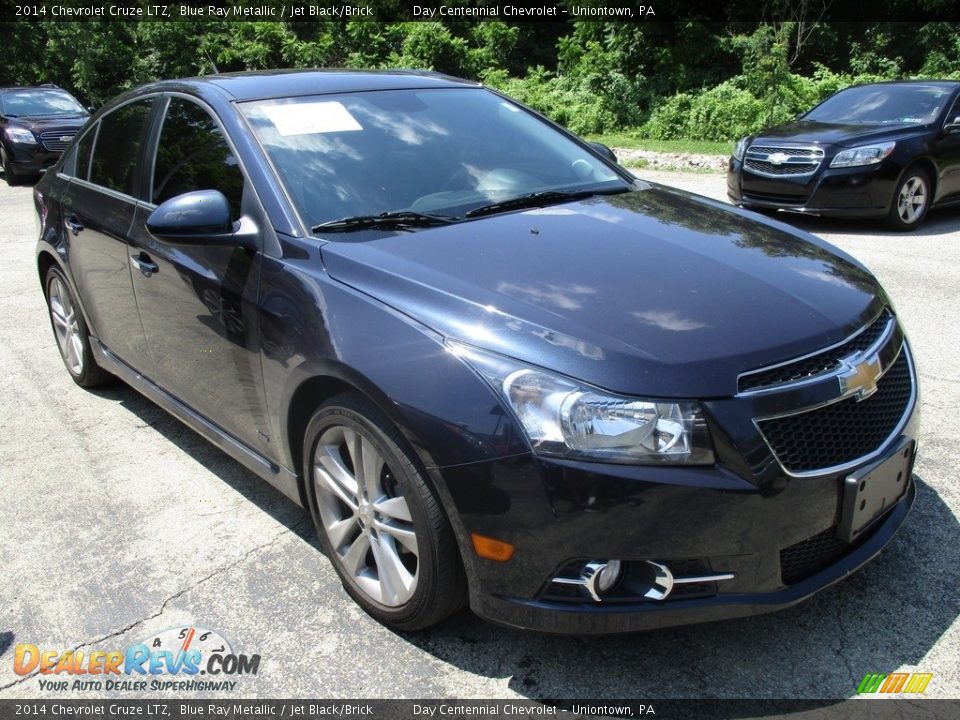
(79, 164)
(117, 149)
(194, 155)
(954, 115)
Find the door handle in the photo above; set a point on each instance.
(144, 264)
(74, 224)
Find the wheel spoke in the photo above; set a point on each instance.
(396, 582)
(404, 536)
(355, 557)
(76, 351)
(372, 464)
(340, 530)
(332, 476)
(395, 508)
(354, 445)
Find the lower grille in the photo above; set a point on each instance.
(810, 556)
(844, 431)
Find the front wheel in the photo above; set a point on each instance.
(8, 174)
(911, 200)
(378, 521)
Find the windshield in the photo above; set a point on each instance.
(435, 151)
(36, 102)
(879, 104)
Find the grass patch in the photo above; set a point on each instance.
(698, 147)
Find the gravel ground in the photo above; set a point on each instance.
(118, 522)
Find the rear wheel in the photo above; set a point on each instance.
(378, 521)
(70, 330)
(911, 200)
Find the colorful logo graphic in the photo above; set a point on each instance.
(184, 651)
(894, 683)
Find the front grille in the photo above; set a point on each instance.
(782, 161)
(768, 168)
(53, 140)
(822, 362)
(843, 431)
(809, 556)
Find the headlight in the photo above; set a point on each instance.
(566, 418)
(740, 148)
(865, 155)
(20, 135)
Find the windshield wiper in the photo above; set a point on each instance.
(539, 199)
(398, 219)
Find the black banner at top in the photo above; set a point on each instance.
(627, 11)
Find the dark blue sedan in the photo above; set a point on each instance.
(495, 367)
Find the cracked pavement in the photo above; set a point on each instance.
(117, 522)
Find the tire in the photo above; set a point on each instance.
(71, 333)
(911, 200)
(8, 175)
(382, 528)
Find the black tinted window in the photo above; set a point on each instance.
(118, 145)
(82, 153)
(194, 155)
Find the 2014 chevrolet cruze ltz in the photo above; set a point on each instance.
(494, 366)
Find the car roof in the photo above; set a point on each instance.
(266, 84)
(943, 83)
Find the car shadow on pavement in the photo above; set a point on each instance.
(940, 221)
(883, 618)
(245, 482)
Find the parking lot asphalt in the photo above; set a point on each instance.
(118, 522)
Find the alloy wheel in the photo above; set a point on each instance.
(912, 200)
(66, 326)
(365, 516)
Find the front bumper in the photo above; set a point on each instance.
(841, 192)
(780, 535)
(701, 517)
(32, 159)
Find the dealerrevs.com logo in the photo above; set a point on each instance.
(185, 659)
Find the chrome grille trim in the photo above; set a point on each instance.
(890, 329)
(774, 161)
(53, 139)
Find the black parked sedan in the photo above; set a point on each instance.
(36, 125)
(882, 150)
(494, 366)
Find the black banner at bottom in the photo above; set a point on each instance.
(878, 709)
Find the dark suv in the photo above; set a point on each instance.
(881, 150)
(494, 366)
(36, 126)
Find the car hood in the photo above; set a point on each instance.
(844, 135)
(653, 292)
(42, 124)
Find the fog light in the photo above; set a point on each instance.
(599, 577)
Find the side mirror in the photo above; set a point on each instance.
(604, 151)
(201, 217)
(953, 125)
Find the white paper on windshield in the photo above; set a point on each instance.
(309, 118)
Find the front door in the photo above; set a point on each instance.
(198, 303)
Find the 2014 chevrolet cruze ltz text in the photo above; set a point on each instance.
(496, 368)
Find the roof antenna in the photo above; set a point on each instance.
(212, 63)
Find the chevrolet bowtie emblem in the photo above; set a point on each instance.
(860, 375)
(778, 158)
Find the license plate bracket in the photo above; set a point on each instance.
(870, 492)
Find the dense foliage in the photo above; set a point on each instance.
(698, 80)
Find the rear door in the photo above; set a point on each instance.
(98, 210)
(198, 302)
